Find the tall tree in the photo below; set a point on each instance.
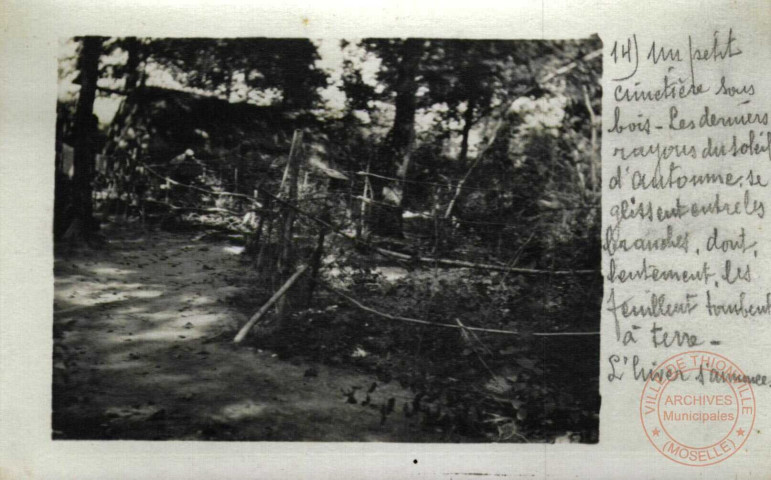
(133, 75)
(85, 129)
(401, 61)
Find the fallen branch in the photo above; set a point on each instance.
(459, 325)
(203, 190)
(194, 209)
(471, 334)
(564, 334)
(467, 338)
(276, 296)
(112, 91)
(479, 266)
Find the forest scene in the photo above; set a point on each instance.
(285, 239)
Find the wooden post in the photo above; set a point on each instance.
(285, 258)
(318, 254)
(276, 296)
(268, 234)
(253, 247)
(283, 178)
(364, 198)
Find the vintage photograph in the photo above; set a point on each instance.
(290, 239)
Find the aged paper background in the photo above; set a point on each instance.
(28, 50)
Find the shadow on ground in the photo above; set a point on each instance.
(142, 350)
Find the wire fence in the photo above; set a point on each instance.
(454, 219)
(276, 199)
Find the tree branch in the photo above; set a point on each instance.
(570, 66)
(459, 325)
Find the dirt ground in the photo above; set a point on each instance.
(143, 350)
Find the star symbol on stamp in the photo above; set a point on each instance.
(656, 432)
(740, 432)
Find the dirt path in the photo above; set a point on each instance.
(142, 351)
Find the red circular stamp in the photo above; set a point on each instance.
(697, 408)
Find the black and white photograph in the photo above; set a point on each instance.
(327, 240)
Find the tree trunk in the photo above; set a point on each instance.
(593, 148)
(85, 132)
(128, 108)
(468, 121)
(388, 218)
(135, 57)
(122, 166)
(480, 155)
